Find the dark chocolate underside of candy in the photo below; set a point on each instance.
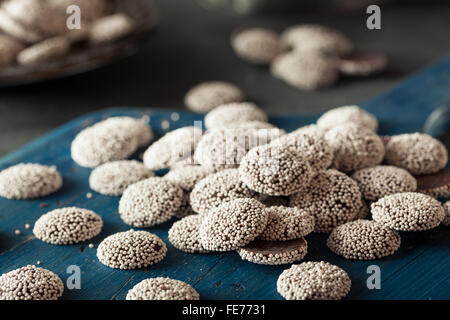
(274, 247)
(435, 180)
(385, 139)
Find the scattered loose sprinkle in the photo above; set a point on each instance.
(175, 116)
(165, 124)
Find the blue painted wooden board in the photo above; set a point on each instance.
(419, 270)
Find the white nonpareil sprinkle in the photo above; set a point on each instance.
(174, 116)
(165, 124)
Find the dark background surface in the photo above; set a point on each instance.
(190, 45)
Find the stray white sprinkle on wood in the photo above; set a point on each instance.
(88, 195)
(91, 245)
(38, 262)
(175, 116)
(17, 232)
(165, 124)
(27, 226)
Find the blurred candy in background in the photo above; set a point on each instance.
(197, 41)
(41, 40)
(285, 6)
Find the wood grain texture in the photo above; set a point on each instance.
(419, 270)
